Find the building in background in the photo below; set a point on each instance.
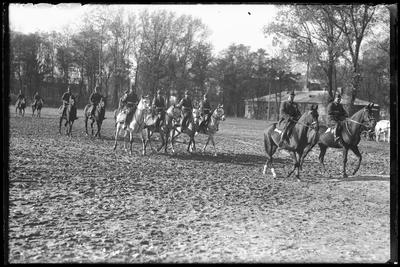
(257, 108)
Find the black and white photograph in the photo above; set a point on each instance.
(200, 133)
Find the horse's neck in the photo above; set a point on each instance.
(213, 122)
(354, 128)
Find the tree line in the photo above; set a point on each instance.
(116, 48)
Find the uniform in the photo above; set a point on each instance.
(186, 105)
(129, 100)
(289, 113)
(205, 109)
(336, 115)
(95, 99)
(159, 106)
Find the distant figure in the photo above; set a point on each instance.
(187, 107)
(95, 98)
(66, 98)
(20, 98)
(36, 99)
(159, 107)
(129, 101)
(336, 115)
(289, 114)
(205, 109)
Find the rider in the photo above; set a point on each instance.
(187, 107)
(66, 97)
(159, 106)
(129, 100)
(289, 114)
(205, 109)
(94, 99)
(20, 98)
(336, 115)
(36, 98)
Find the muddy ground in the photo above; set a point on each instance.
(76, 200)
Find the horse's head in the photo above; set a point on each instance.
(103, 102)
(368, 117)
(219, 112)
(144, 103)
(310, 117)
(174, 112)
(196, 113)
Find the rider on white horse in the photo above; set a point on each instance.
(205, 109)
(129, 100)
(187, 108)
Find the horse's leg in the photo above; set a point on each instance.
(321, 156)
(208, 140)
(294, 155)
(358, 154)
(91, 126)
(345, 152)
(86, 121)
(162, 140)
(213, 143)
(299, 156)
(59, 127)
(144, 143)
(166, 133)
(116, 136)
(70, 128)
(307, 149)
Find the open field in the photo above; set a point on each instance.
(76, 200)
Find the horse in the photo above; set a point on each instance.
(190, 130)
(20, 106)
(382, 127)
(136, 125)
(37, 106)
(172, 116)
(69, 116)
(212, 127)
(98, 117)
(351, 136)
(304, 136)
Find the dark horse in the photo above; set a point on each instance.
(69, 116)
(172, 117)
(98, 117)
(20, 106)
(351, 135)
(304, 136)
(37, 106)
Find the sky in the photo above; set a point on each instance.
(228, 23)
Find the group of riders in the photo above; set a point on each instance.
(129, 101)
(21, 99)
(289, 111)
(290, 114)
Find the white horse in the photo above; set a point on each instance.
(382, 127)
(136, 125)
(212, 127)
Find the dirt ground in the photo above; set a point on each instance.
(76, 200)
